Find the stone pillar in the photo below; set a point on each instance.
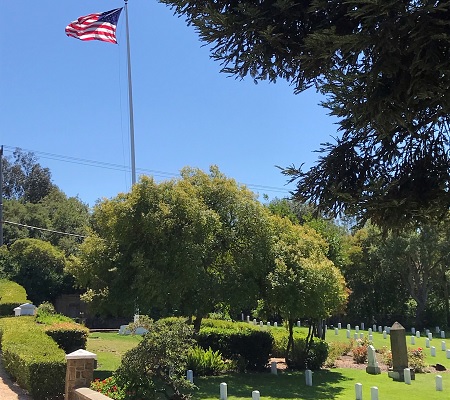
(79, 372)
(399, 353)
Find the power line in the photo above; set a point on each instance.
(45, 229)
(119, 167)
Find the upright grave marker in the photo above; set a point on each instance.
(372, 367)
(399, 353)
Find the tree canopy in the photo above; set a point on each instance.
(24, 178)
(384, 68)
(183, 246)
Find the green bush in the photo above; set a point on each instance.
(205, 362)
(32, 358)
(313, 359)
(254, 345)
(12, 295)
(156, 367)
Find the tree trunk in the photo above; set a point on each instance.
(290, 344)
(197, 323)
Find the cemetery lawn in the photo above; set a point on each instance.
(109, 347)
(338, 384)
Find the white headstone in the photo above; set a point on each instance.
(438, 329)
(374, 328)
(372, 363)
(242, 316)
(248, 318)
(370, 330)
(427, 343)
(433, 351)
(430, 336)
(348, 326)
(373, 393)
(418, 334)
(339, 325)
(255, 395)
(413, 331)
(190, 375)
(384, 334)
(355, 336)
(261, 324)
(254, 321)
(447, 353)
(308, 377)
(442, 334)
(439, 387)
(413, 340)
(427, 331)
(443, 348)
(336, 331)
(407, 376)
(268, 323)
(362, 326)
(348, 334)
(357, 328)
(380, 329)
(370, 337)
(275, 324)
(299, 324)
(358, 391)
(223, 391)
(388, 330)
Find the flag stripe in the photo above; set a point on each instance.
(98, 26)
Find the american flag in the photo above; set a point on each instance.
(98, 26)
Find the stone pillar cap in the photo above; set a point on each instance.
(397, 326)
(81, 354)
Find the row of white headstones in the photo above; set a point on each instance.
(308, 378)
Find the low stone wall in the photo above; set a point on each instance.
(89, 394)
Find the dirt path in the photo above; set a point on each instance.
(10, 390)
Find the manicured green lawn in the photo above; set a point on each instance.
(338, 384)
(331, 384)
(109, 347)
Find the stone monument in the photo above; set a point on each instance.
(372, 367)
(399, 353)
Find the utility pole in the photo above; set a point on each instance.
(1, 196)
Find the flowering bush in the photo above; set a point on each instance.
(109, 388)
(360, 354)
(386, 356)
(416, 360)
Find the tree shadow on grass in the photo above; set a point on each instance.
(287, 385)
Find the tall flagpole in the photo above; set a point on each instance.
(130, 101)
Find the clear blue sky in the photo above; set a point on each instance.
(67, 101)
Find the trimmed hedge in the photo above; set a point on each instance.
(12, 295)
(254, 345)
(68, 335)
(32, 358)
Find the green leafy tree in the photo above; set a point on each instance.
(377, 291)
(421, 258)
(40, 268)
(304, 283)
(384, 69)
(184, 245)
(55, 214)
(24, 178)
